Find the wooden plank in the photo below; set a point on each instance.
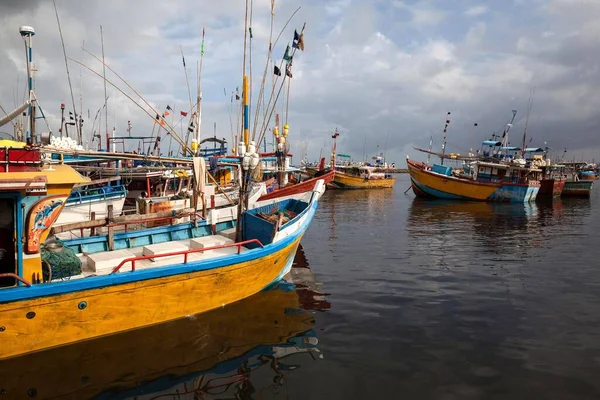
(79, 225)
(111, 233)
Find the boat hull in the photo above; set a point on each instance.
(551, 187)
(588, 176)
(299, 188)
(429, 184)
(345, 181)
(49, 321)
(577, 188)
(177, 349)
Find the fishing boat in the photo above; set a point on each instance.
(483, 181)
(577, 188)
(201, 355)
(93, 200)
(552, 182)
(43, 305)
(361, 177)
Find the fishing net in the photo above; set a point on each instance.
(62, 260)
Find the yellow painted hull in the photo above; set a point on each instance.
(179, 348)
(345, 181)
(452, 186)
(59, 319)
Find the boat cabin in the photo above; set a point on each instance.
(31, 199)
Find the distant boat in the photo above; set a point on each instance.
(574, 188)
(483, 181)
(552, 182)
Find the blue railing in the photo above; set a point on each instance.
(96, 194)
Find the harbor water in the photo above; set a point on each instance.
(390, 297)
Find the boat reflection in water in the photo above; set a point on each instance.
(210, 355)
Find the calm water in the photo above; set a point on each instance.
(392, 298)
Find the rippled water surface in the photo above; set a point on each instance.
(391, 298)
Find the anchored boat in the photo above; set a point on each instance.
(483, 181)
(131, 279)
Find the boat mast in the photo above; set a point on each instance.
(199, 97)
(105, 98)
(27, 33)
(529, 105)
(444, 139)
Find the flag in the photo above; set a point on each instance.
(169, 107)
(183, 58)
(286, 55)
(202, 46)
(277, 71)
(250, 30)
(183, 113)
(166, 114)
(157, 119)
(298, 42)
(288, 71)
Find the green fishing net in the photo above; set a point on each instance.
(62, 260)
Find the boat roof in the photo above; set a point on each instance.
(491, 143)
(533, 149)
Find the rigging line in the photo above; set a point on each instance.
(261, 97)
(186, 76)
(287, 102)
(263, 128)
(180, 140)
(67, 67)
(265, 125)
(241, 126)
(126, 95)
(105, 98)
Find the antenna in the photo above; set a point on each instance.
(27, 33)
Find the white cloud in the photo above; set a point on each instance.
(476, 11)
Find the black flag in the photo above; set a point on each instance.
(277, 71)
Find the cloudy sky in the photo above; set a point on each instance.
(385, 73)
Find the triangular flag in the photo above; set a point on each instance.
(288, 71)
(277, 71)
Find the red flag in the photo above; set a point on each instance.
(183, 113)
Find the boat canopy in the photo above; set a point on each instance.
(510, 148)
(533, 149)
(344, 155)
(491, 143)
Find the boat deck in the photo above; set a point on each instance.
(103, 263)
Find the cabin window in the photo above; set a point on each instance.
(7, 240)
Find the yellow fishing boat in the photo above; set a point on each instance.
(126, 280)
